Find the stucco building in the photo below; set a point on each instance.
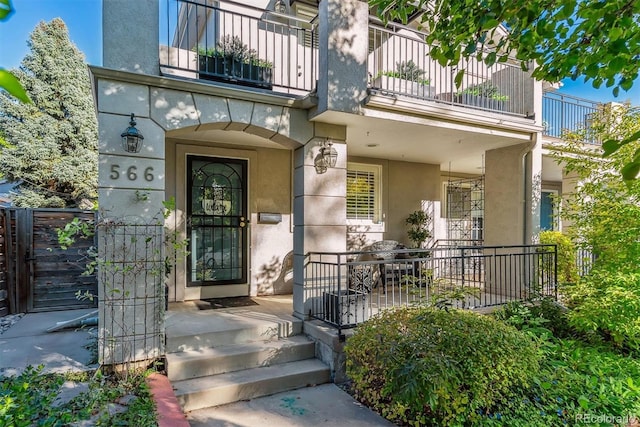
(287, 127)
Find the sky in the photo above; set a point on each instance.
(84, 20)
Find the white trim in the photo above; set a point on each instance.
(376, 224)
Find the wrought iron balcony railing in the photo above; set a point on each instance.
(564, 113)
(238, 44)
(399, 64)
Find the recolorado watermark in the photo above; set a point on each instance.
(621, 420)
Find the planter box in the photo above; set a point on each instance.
(404, 87)
(345, 309)
(220, 68)
(480, 101)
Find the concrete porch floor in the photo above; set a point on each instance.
(186, 318)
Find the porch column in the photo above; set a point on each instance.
(130, 191)
(344, 43)
(513, 181)
(320, 206)
(130, 35)
(513, 178)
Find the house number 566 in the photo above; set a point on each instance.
(131, 173)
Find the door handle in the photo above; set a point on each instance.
(243, 224)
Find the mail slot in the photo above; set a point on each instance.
(269, 218)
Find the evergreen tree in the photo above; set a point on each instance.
(53, 142)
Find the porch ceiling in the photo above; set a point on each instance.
(454, 146)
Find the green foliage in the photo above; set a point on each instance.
(72, 230)
(26, 400)
(567, 268)
(574, 379)
(557, 38)
(408, 70)
(604, 211)
(53, 141)
(418, 232)
(543, 317)
(414, 365)
(485, 89)
(608, 304)
(233, 48)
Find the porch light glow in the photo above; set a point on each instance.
(132, 138)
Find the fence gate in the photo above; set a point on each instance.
(40, 275)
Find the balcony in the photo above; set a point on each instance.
(565, 113)
(399, 65)
(238, 44)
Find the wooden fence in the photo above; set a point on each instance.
(36, 274)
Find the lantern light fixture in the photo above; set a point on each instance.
(326, 158)
(131, 137)
(329, 154)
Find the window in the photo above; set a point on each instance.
(363, 192)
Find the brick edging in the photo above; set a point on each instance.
(169, 411)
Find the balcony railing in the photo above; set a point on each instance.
(238, 44)
(564, 113)
(344, 289)
(399, 64)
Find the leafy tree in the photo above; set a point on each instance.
(604, 213)
(558, 38)
(53, 140)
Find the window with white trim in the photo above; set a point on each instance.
(363, 192)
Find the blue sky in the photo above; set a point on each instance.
(84, 19)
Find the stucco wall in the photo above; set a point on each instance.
(406, 187)
(269, 191)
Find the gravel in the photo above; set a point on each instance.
(8, 321)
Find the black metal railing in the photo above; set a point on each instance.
(564, 113)
(238, 44)
(344, 289)
(399, 64)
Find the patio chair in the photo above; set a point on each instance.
(366, 277)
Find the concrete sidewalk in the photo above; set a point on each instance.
(323, 405)
(27, 343)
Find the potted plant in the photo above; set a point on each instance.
(232, 60)
(418, 232)
(485, 95)
(406, 79)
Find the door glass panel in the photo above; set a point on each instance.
(217, 221)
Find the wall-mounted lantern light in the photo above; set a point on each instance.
(132, 138)
(329, 154)
(326, 158)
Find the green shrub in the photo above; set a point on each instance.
(567, 267)
(574, 379)
(544, 315)
(26, 400)
(607, 304)
(424, 366)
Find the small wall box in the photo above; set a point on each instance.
(269, 218)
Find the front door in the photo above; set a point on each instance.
(217, 219)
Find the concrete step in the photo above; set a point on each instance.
(205, 334)
(204, 392)
(212, 361)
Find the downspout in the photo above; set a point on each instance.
(526, 173)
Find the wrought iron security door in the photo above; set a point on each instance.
(217, 220)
